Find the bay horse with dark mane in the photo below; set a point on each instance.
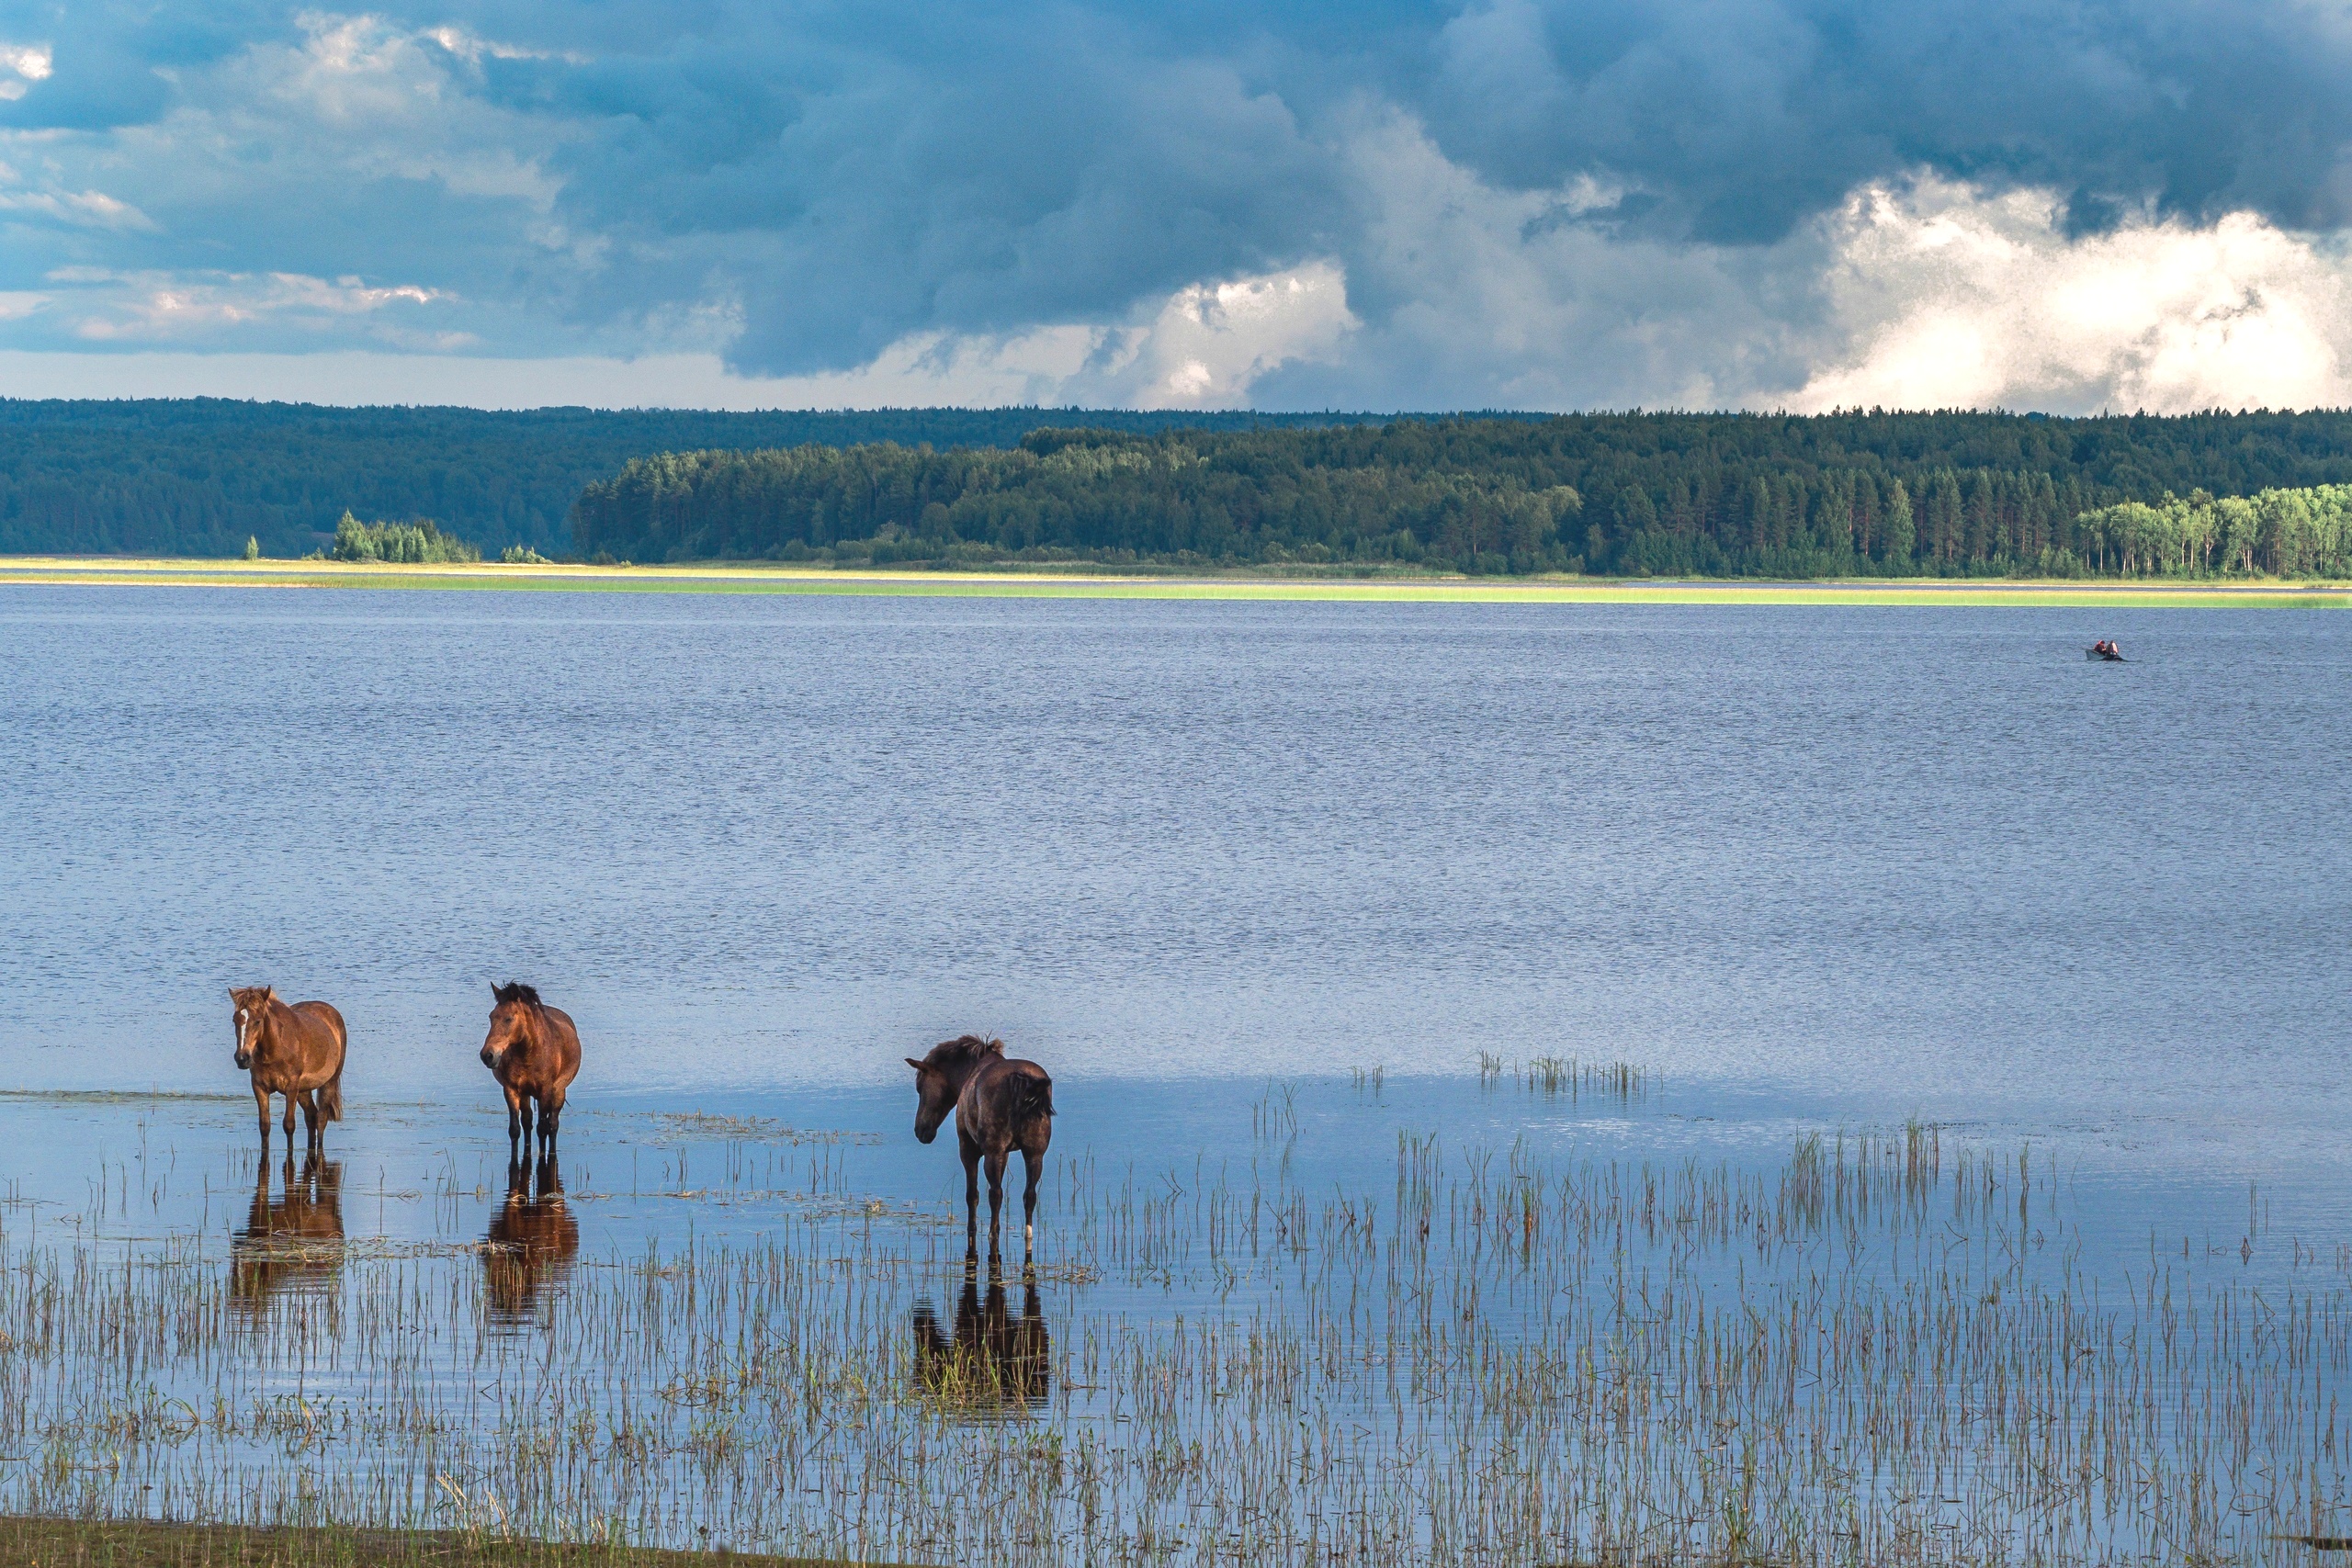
(295, 1051)
(534, 1051)
(1000, 1103)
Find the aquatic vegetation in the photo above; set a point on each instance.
(138, 1543)
(1876, 1347)
(749, 1129)
(1576, 1079)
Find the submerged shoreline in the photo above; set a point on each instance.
(1063, 583)
(148, 1543)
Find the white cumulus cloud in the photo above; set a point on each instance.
(1941, 296)
(21, 66)
(1211, 343)
(110, 307)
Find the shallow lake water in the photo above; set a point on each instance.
(1981, 1192)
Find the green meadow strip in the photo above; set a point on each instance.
(728, 578)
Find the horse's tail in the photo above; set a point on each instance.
(331, 1098)
(1036, 1097)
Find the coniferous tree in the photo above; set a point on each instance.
(1944, 520)
(1866, 517)
(1981, 519)
(1902, 535)
(1760, 507)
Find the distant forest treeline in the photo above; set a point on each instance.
(1900, 493)
(199, 476)
(1939, 494)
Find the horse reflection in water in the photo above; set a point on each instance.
(994, 1361)
(532, 1242)
(292, 1242)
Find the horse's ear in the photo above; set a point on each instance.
(269, 993)
(996, 1048)
(915, 1065)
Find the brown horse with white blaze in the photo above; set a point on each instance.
(534, 1051)
(1000, 1103)
(294, 1049)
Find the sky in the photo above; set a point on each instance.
(1530, 204)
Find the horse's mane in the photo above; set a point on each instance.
(970, 1047)
(515, 991)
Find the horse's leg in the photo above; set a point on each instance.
(523, 1107)
(311, 1134)
(514, 1125)
(290, 1098)
(550, 1112)
(971, 1152)
(996, 1197)
(1033, 1164)
(261, 1098)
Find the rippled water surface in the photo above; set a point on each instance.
(1264, 885)
(1922, 857)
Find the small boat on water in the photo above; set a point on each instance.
(2105, 652)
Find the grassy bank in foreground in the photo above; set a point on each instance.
(731, 579)
(64, 1543)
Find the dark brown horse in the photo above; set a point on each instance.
(294, 1051)
(532, 1242)
(1000, 1104)
(535, 1052)
(994, 1359)
(294, 1242)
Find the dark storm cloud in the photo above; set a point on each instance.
(852, 178)
(831, 177)
(1744, 118)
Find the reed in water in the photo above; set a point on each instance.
(1870, 1349)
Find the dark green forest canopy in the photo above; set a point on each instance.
(1720, 495)
(198, 476)
(1684, 493)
